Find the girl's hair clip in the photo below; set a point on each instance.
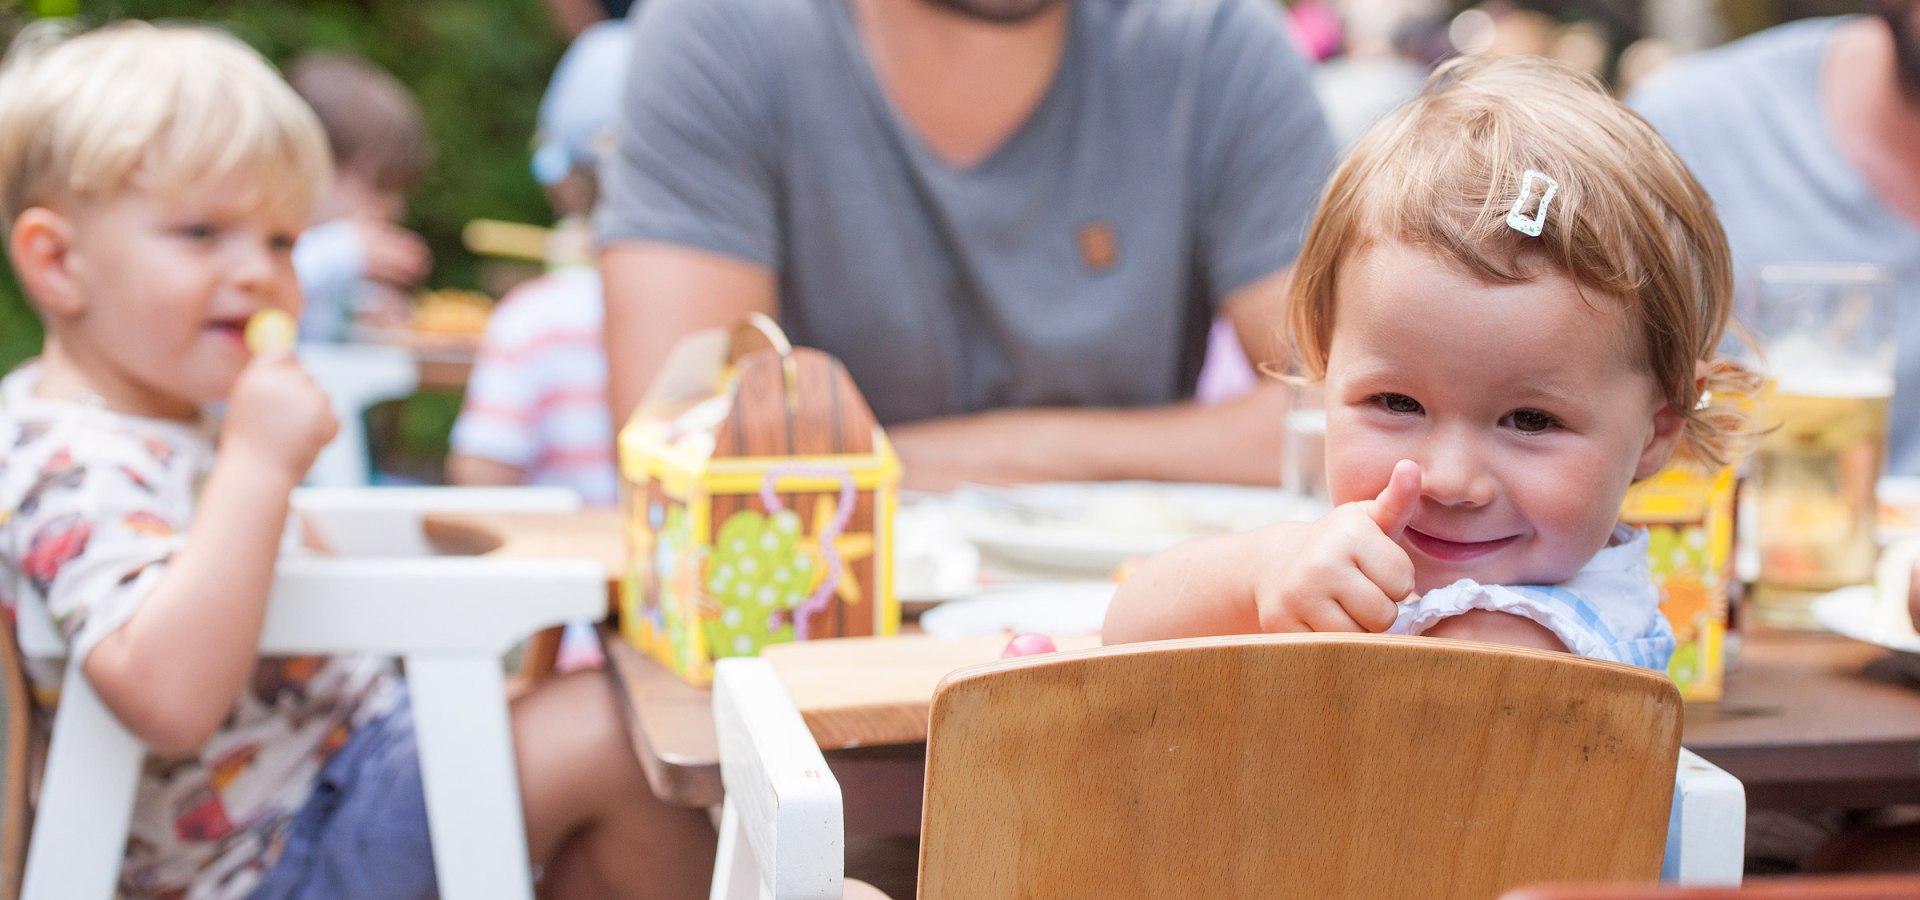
(1519, 220)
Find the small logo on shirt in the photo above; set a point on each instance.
(1099, 246)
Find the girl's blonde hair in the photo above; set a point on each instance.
(1628, 221)
(165, 108)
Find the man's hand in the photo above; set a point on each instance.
(1349, 573)
(278, 415)
(1913, 598)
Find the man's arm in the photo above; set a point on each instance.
(658, 293)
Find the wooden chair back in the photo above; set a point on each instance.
(1356, 766)
(18, 757)
(1849, 887)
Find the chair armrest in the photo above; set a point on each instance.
(385, 521)
(1706, 834)
(780, 792)
(413, 606)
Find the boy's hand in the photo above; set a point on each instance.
(1349, 573)
(277, 414)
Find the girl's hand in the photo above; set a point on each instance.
(278, 415)
(1348, 574)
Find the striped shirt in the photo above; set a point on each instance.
(537, 399)
(1609, 609)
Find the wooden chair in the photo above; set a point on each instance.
(1849, 887)
(1262, 766)
(448, 618)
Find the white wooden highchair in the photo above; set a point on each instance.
(448, 618)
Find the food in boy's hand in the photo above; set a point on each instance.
(270, 330)
(452, 311)
(1028, 644)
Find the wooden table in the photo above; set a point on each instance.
(1809, 720)
(1815, 720)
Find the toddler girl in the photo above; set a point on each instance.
(1513, 292)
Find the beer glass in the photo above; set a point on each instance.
(1826, 332)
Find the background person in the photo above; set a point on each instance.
(1013, 220)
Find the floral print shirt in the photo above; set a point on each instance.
(93, 504)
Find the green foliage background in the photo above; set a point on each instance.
(478, 68)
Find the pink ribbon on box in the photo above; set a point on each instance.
(828, 551)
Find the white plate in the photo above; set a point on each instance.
(1093, 527)
(1056, 609)
(1856, 613)
(1899, 497)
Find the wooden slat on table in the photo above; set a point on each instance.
(858, 692)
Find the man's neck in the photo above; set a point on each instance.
(965, 85)
(1874, 123)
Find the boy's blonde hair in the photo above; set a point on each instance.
(1628, 221)
(166, 108)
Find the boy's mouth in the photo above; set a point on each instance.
(231, 329)
(1455, 551)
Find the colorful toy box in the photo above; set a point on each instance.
(1689, 517)
(759, 496)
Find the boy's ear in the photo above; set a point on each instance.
(41, 245)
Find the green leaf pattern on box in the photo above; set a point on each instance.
(757, 576)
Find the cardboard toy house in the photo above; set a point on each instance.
(759, 496)
(1689, 517)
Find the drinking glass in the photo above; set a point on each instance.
(1826, 332)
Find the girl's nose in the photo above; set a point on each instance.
(1454, 473)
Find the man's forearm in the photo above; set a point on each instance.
(1237, 441)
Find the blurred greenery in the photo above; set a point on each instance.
(478, 68)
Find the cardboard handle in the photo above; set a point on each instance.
(755, 333)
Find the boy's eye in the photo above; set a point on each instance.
(198, 231)
(281, 242)
(1531, 421)
(1398, 403)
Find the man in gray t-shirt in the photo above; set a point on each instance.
(1012, 219)
(1795, 133)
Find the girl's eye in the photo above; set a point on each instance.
(199, 231)
(1531, 421)
(281, 243)
(1398, 403)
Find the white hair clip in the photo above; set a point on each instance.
(1520, 221)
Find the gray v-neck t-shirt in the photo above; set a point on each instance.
(1748, 119)
(1175, 158)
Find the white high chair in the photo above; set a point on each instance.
(448, 618)
(1357, 766)
(356, 377)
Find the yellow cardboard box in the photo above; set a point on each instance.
(757, 512)
(1689, 517)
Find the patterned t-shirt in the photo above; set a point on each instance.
(93, 505)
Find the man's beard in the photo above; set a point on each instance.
(999, 12)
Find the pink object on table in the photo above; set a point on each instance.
(1027, 645)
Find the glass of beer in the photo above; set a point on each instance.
(1827, 335)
